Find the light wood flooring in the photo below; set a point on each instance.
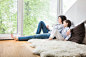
(12, 48)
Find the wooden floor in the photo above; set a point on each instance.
(12, 48)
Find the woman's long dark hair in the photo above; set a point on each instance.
(62, 17)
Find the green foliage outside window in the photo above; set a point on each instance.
(8, 16)
(35, 11)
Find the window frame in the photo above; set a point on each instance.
(19, 22)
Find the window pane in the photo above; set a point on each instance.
(67, 4)
(8, 16)
(38, 10)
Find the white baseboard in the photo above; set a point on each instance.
(6, 37)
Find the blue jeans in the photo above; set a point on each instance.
(42, 26)
(37, 36)
(45, 34)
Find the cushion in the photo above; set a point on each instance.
(84, 41)
(78, 33)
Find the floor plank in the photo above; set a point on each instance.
(12, 48)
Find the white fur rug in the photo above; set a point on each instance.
(56, 48)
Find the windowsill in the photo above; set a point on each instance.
(7, 36)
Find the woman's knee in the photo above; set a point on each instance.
(41, 22)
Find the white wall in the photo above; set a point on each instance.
(77, 13)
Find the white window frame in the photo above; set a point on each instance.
(61, 6)
(19, 22)
(20, 19)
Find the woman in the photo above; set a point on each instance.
(42, 26)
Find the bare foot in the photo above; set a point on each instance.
(14, 37)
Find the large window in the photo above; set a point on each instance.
(21, 17)
(8, 16)
(38, 10)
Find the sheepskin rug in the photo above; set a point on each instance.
(54, 48)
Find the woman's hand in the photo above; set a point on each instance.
(68, 32)
(47, 26)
